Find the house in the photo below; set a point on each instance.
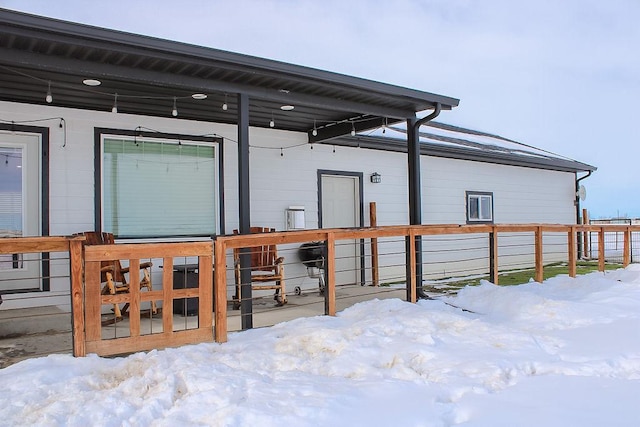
(154, 139)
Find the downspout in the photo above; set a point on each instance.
(415, 197)
(430, 117)
(577, 203)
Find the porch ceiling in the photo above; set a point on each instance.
(148, 73)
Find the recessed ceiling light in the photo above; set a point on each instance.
(287, 107)
(199, 96)
(92, 82)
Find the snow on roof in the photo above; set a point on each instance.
(445, 134)
(477, 145)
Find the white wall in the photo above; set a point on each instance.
(521, 195)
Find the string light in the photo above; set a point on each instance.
(49, 98)
(174, 111)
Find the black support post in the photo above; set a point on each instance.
(415, 202)
(244, 201)
(415, 194)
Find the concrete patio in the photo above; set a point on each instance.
(40, 332)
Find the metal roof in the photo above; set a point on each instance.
(467, 144)
(148, 74)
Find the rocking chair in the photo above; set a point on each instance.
(266, 266)
(113, 275)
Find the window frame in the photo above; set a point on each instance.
(479, 195)
(217, 142)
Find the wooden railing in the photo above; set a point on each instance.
(87, 298)
(47, 244)
(223, 244)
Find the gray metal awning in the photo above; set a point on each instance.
(147, 74)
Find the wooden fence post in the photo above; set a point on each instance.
(330, 286)
(77, 297)
(205, 285)
(538, 255)
(626, 256)
(572, 242)
(413, 293)
(167, 294)
(220, 291)
(373, 222)
(134, 292)
(493, 255)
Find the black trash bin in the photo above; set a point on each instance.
(185, 276)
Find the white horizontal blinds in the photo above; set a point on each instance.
(11, 192)
(156, 189)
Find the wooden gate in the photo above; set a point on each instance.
(88, 300)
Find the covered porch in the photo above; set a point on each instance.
(56, 65)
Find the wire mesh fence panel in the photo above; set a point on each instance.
(635, 247)
(392, 261)
(35, 294)
(554, 246)
(297, 289)
(455, 256)
(613, 246)
(516, 251)
(354, 278)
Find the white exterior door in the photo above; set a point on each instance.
(341, 208)
(19, 207)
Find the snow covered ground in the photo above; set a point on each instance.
(562, 353)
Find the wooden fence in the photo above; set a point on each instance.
(87, 298)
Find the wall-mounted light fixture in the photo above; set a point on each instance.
(376, 178)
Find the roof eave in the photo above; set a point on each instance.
(461, 153)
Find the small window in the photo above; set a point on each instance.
(479, 207)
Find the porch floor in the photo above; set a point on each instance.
(19, 347)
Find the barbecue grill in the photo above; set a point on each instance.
(312, 255)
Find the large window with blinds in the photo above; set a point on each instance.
(154, 187)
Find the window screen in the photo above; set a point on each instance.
(158, 188)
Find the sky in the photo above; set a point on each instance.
(562, 353)
(563, 76)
